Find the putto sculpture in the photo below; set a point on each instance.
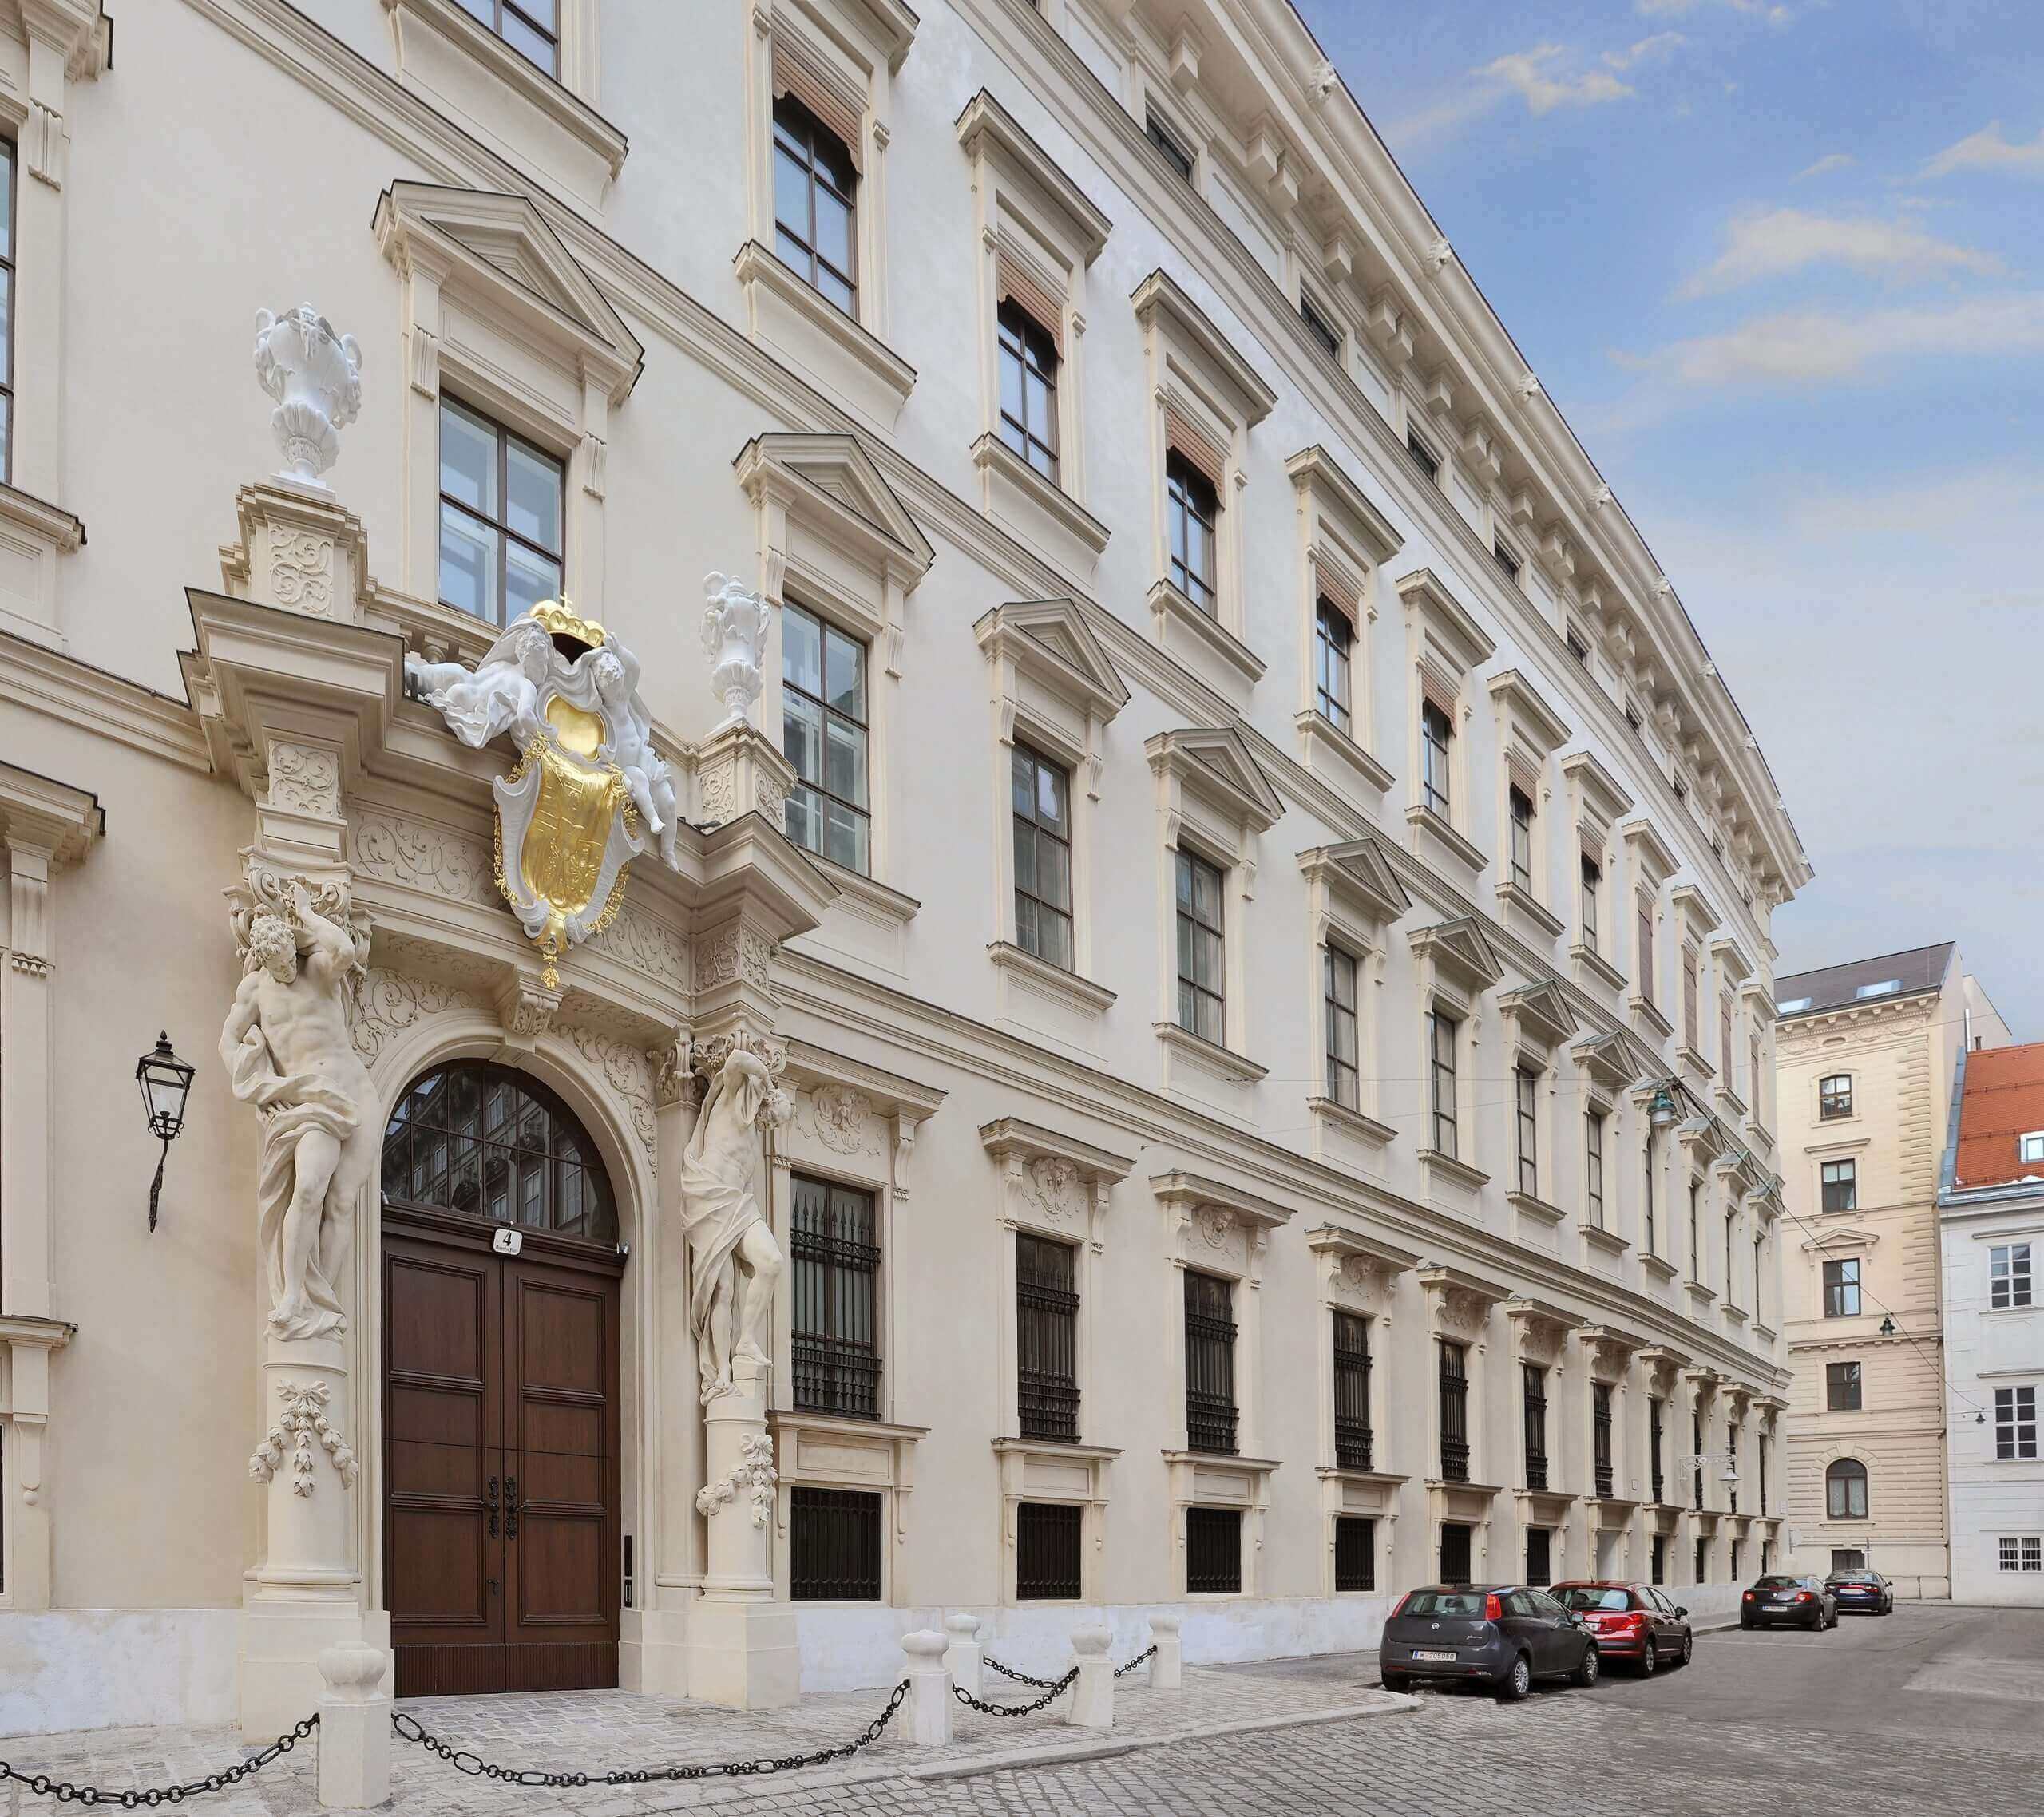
(734, 638)
(287, 1052)
(588, 778)
(314, 376)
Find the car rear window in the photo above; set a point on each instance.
(1776, 1583)
(1444, 1603)
(1851, 1577)
(1581, 1601)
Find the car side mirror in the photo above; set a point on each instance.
(1681, 1609)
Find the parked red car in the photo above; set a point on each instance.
(1632, 1622)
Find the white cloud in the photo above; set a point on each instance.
(1817, 346)
(1775, 14)
(1988, 150)
(1825, 165)
(1533, 74)
(1770, 243)
(1647, 50)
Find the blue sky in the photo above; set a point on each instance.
(1782, 267)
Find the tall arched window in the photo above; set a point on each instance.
(1845, 1490)
(494, 1144)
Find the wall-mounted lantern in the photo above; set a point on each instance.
(165, 1081)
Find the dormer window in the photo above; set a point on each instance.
(815, 181)
(1886, 987)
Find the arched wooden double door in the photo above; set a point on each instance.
(501, 1394)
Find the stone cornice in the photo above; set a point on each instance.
(46, 681)
(985, 125)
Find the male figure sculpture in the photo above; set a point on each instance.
(733, 1260)
(287, 1052)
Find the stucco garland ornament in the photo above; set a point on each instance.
(302, 1426)
(735, 638)
(287, 1051)
(753, 1471)
(315, 377)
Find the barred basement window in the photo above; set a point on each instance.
(1355, 1552)
(833, 1546)
(1209, 1364)
(1352, 1391)
(1533, 1396)
(1213, 1551)
(1600, 1419)
(1540, 1569)
(1703, 1561)
(1047, 1551)
(2021, 1552)
(1847, 1559)
(1456, 1551)
(1454, 1415)
(1047, 1342)
(834, 1333)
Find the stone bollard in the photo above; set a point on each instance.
(930, 1701)
(354, 1728)
(1167, 1670)
(1093, 1696)
(964, 1657)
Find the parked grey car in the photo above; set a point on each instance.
(1778, 1600)
(1503, 1635)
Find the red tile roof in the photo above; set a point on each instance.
(2004, 1100)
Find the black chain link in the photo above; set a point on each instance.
(1050, 1694)
(1148, 1652)
(44, 1786)
(463, 1761)
(1021, 1677)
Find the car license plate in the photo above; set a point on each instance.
(1434, 1658)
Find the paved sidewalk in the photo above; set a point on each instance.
(595, 1732)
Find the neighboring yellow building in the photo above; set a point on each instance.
(1863, 1060)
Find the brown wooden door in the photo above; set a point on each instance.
(501, 1455)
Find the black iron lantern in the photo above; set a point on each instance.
(164, 1080)
(1887, 1328)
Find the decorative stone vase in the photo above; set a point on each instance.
(315, 377)
(735, 638)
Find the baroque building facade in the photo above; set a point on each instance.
(1246, 895)
(1864, 1054)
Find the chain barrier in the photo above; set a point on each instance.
(1050, 1694)
(1147, 1653)
(44, 1786)
(463, 1761)
(1021, 1677)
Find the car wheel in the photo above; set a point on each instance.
(1647, 1661)
(1586, 1674)
(1743, 1624)
(1396, 1682)
(1517, 1681)
(1689, 1647)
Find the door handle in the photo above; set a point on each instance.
(489, 1502)
(492, 1587)
(510, 1507)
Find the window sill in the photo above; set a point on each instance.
(1202, 643)
(1363, 1479)
(1511, 897)
(1705, 1295)
(1071, 1451)
(34, 534)
(1351, 1122)
(1527, 1205)
(1037, 508)
(1082, 993)
(1045, 1001)
(1598, 1237)
(1450, 1167)
(797, 320)
(1730, 1105)
(1687, 1056)
(1447, 1485)
(1734, 1315)
(1330, 752)
(1645, 1010)
(1423, 819)
(1657, 1266)
(1588, 958)
(867, 921)
(1765, 1333)
(1224, 1061)
(466, 69)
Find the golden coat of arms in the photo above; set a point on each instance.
(587, 789)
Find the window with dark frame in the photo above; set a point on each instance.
(1655, 1415)
(1338, 971)
(815, 204)
(1593, 1168)
(1526, 1092)
(1539, 1556)
(1168, 142)
(1209, 1364)
(1027, 355)
(1643, 945)
(1845, 1490)
(1695, 1238)
(1578, 649)
(1759, 1244)
(1839, 1180)
(1533, 1399)
(1422, 457)
(1048, 1548)
(1435, 787)
(2015, 1422)
(1522, 839)
(1841, 1289)
(1213, 1551)
(1317, 325)
(1202, 1003)
(1646, 1196)
(1731, 1225)
(1759, 1463)
(2020, 1552)
(826, 736)
(1042, 797)
(1600, 1432)
(1658, 1565)
(1047, 1338)
(835, 1324)
(8, 159)
(1508, 563)
(1192, 511)
(1593, 881)
(1352, 1391)
(531, 27)
(1696, 1449)
(1355, 1552)
(1456, 1551)
(1692, 1007)
(1442, 1029)
(1454, 1412)
(1841, 1388)
(1834, 1096)
(1724, 1060)
(2009, 1281)
(833, 1546)
(1333, 640)
(502, 511)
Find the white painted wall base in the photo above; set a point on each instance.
(74, 1668)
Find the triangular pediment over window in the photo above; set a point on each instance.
(1051, 639)
(1215, 761)
(1460, 949)
(1358, 870)
(1607, 1059)
(501, 249)
(1543, 1009)
(831, 481)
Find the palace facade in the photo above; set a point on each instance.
(1245, 873)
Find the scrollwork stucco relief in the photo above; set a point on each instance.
(648, 947)
(1215, 1224)
(426, 857)
(390, 1002)
(302, 571)
(1054, 1187)
(627, 1070)
(305, 779)
(731, 952)
(1357, 1275)
(841, 1119)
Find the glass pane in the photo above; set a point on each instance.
(1025, 857)
(792, 252)
(1038, 395)
(1056, 942)
(836, 290)
(1210, 1027)
(528, 579)
(7, 308)
(468, 565)
(833, 231)
(1206, 954)
(801, 736)
(1011, 384)
(802, 650)
(1054, 873)
(1206, 893)
(803, 815)
(532, 496)
(482, 10)
(540, 13)
(6, 201)
(1022, 777)
(6, 431)
(1050, 799)
(467, 458)
(1027, 924)
(845, 837)
(527, 43)
(844, 669)
(791, 193)
(844, 772)
(1184, 863)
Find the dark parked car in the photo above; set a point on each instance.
(1802, 1602)
(1632, 1622)
(1866, 1590)
(1502, 1635)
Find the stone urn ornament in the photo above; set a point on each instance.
(734, 638)
(315, 377)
